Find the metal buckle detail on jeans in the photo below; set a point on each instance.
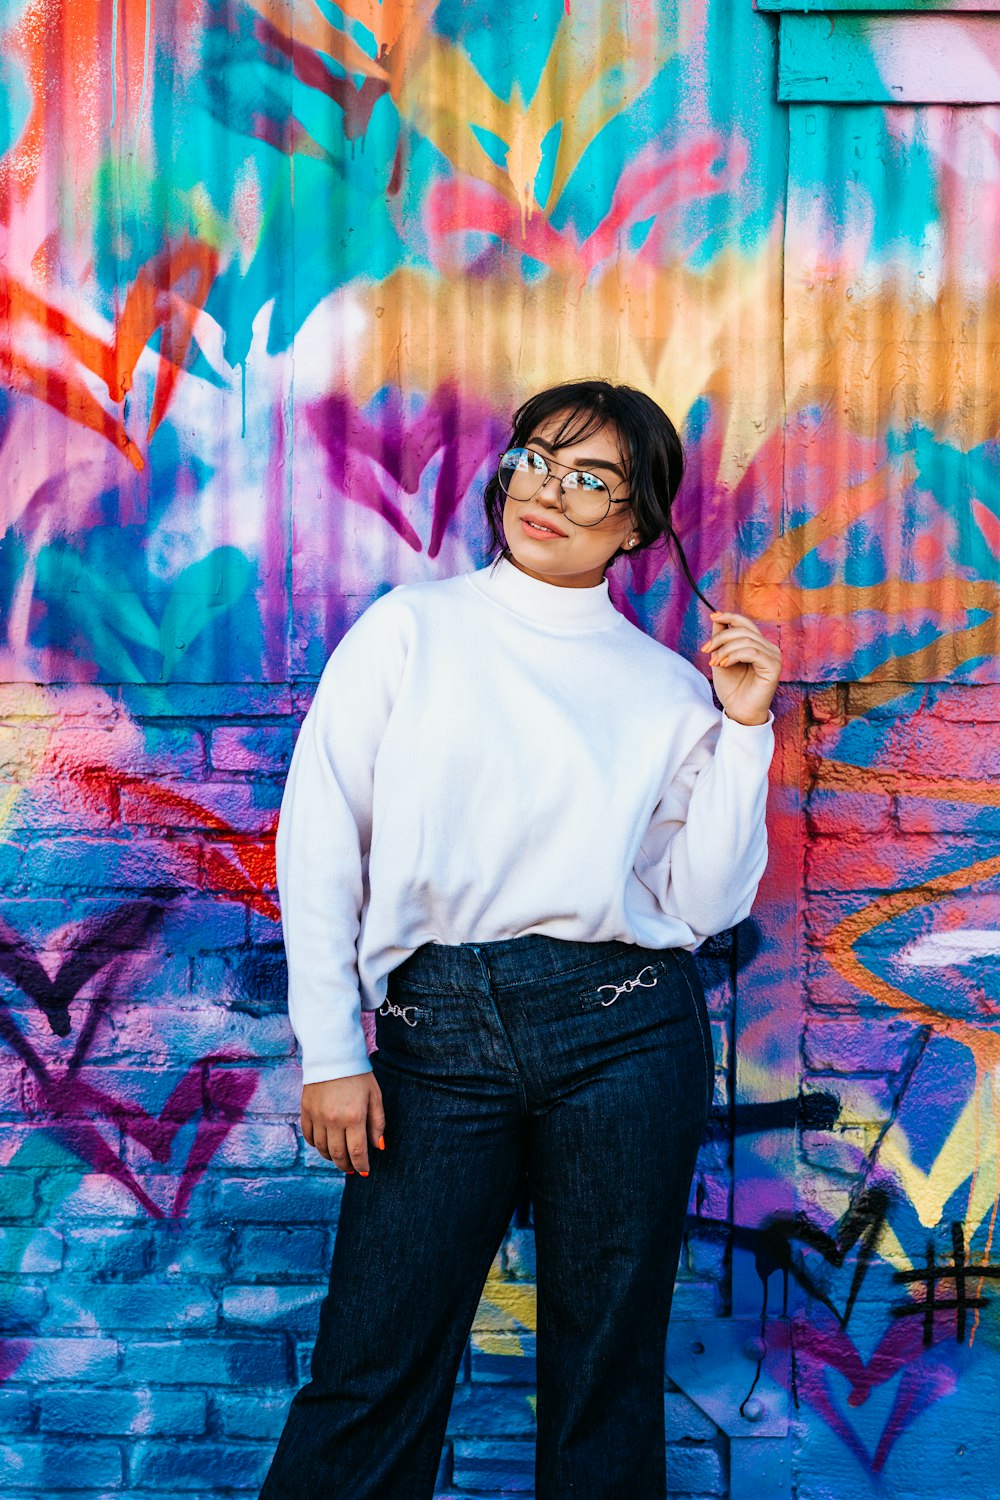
(636, 981)
(388, 1009)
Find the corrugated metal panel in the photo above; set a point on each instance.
(330, 255)
(890, 59)
(892, 524)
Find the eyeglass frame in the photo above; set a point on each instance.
(570, 469)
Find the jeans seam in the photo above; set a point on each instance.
(708, 1051)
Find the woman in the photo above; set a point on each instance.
(510, 818)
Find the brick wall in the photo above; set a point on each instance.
(165, 1235)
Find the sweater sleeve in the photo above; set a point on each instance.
(705, 849)
(323, 842)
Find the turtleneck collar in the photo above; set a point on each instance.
(552, 605)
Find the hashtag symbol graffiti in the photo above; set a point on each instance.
(960, 1273)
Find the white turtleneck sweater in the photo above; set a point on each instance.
(491, 754)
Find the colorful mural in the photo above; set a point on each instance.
(272, 277)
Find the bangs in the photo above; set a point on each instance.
(581, 419)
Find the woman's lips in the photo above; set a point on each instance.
(536, 532)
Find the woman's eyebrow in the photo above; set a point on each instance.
(593, 463)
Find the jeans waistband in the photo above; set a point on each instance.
(504, 962)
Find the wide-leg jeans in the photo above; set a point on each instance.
(587, 1066)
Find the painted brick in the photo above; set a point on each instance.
(199, 924)
(60, 703)
(826, 1199)
(833, 812)
(714, 1153)
(35, 920)
(876, 700)
(255, 980)
(17, 1195)
(692, 1470)
(960, 703)
(864, 1101)
(706, 1256)
(67, 805)
(859, 1044)
(140, 1305)
(92, 744)
(264, 749)
(853, 863)
(181, 1467)
(12, 1076)
(29, 1464)
(264, 928)
(285, 1306)
(182, 1248)
(31, 1250)
(496, 1366)
(935, 815)
(720, 1044)
(843, 1150)
(278, 1091)
(507, 1413)
(189, 700)
(484, 1464)
(245, 1146)
(234, 802)
(110, 864)
(16, 1410)
(519, 1255)
(112, 1413)
(176, 1034)
(709, 1198)
(288, 1200)
(21, 1306)
(303, 1360)
(106, 1250)
(260, 1417)
(22, 747)
(193, 1361)
(684, 1421)
(280, 1252)
(696, 1299)
(169, 752)
(493, 1314)
(93, 1197)
(826, 991)
(145, 1087)
(47, 1359)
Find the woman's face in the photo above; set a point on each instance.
(568, 554)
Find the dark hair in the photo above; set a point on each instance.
(651, 448)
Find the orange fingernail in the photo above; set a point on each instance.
(364, 1174)
(381, 1143)
(349, 1172)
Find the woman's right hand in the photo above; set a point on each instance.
(341, 1116)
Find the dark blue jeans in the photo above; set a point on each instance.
(587, 1065)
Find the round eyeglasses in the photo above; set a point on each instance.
(585, 498)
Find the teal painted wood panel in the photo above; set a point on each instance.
(894, 7)
(901, 59)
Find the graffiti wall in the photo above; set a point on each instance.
(272, 277)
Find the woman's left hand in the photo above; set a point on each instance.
(745, 667)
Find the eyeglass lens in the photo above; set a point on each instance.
(523, 472)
